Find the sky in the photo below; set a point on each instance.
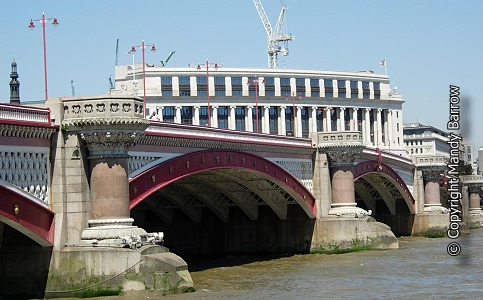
(428, 45)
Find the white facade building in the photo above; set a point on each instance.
(425, 140)
(271, 101)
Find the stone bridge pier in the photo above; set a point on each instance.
(433, 218)
(471, 191)
(106, 248)
(340, 223)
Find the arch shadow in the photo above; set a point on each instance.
(147, 183)
(380, 189)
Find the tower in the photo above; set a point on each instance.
(14, 85)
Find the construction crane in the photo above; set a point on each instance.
(167, 59)
(274, 37)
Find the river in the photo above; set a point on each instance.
(420, 269)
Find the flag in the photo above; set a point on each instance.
(382, 64)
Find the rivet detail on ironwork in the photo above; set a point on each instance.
(134, 190)
(243, 160)
(171, 170)
(187, 164)
(202, 160)
(217, 158)
(153, 178)
(16, 209)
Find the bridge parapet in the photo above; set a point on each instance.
(339, 139)
(24, 113)
(430, 161)
(110, 125)
(471, 179)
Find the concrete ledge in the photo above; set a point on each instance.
(334, 234)
(92, 271)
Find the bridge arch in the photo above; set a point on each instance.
(379, 188)
(26, 214)
(236, 174)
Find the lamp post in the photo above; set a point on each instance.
(32, 26)
(207, 64)
(132, 51)
(293, 111)
(256, 81)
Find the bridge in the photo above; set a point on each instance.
(84, 174)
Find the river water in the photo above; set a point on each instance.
(420, 269)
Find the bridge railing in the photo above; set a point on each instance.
(24, 113)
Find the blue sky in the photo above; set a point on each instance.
(428, 44)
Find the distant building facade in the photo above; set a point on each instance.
(272, 101)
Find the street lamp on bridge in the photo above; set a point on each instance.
(43, 21)
(132, 51)
(207, 65)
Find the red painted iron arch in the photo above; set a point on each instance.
(369, 167)
(143, 185)
(27, 216)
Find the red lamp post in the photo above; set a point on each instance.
(207, 64)
(32, 26)
(132, 51)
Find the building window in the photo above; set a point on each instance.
(201, 86)
(320, 119)
(285, 86)
(236, 86)
(341, 88)
(314, 87)
(166, 86)
(253, 86)
(240, 118)
(300, 85)
(220, 86)
(273, 111)
(354, 90)
(184, 86)
(168, 114)
(222, 117)
(289, 120)
(305, 114)
(365, 90)
(347, 119)
(269, 86)
(377, 90)
(254, 118)
(204, 115)
(187, 115)
(329, 90)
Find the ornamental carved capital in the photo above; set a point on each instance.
(432, 173)
(475, 188)
(110, 144)
(342, 157)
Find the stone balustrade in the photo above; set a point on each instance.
(430, 161)
(24, 113)
(339, 139)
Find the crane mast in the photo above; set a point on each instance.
(274, 37)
